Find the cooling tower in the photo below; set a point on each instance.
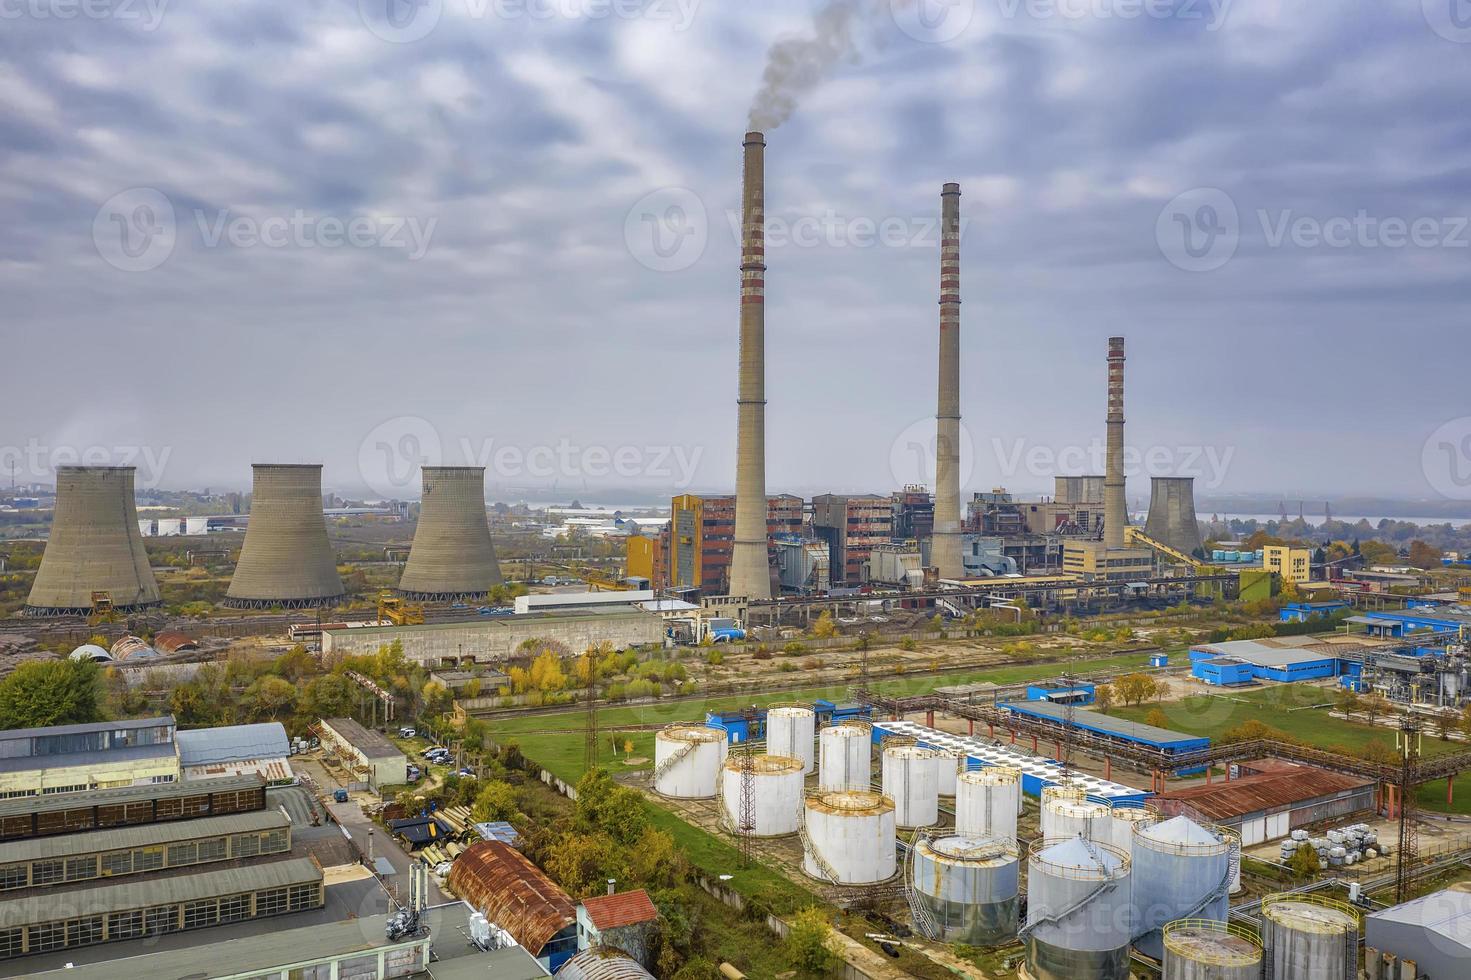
(94, 545)
(750, 571)
(1172, 513)
(1115, 505)
(945, 545)
(286, 559)
(452, 557)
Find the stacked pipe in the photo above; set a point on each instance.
(1115, 506)
(945, 545)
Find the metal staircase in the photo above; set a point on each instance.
(807, 848)
(924, 922)
(1054, 918)
(673, 759)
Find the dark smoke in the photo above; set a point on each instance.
(795, 66)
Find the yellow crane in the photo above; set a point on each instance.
(1136, 535)
(102, 609)
(393, 609)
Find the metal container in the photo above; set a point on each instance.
(1182, 870)
(849, 838)
(791, 731)
(911, 778)
(986, 802)
(967, 888)
(1079, 920)
(776, 795)
(687, 761)
(844, 758)
(1203, 949)
(1306, 937)
(1123, 818)
(1066, 812)
(950, 763)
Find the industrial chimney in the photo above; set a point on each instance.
(1172, 513)
(452, 557)
(286, 559)
(750, 570)
(94, 546)
(1115, 505)
(945, 544)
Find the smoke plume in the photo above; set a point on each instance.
(795, 66)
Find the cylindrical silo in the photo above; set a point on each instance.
(1067, 812)
(1181, 871)
(850, 838)
(844, 758)
(790, 731)
(776, 794)
(1203, 949)
(986, 802)
(968, 887)
(452, 556)
(911, 778)
(687, 761)
(1306, 937)
(286, 559)
(950, 764)
(1121, 824)
(94, 546)
(1078, 918)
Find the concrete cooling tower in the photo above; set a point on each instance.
(286, 559)
(95, 546)
(452, 556)
(1172, 513)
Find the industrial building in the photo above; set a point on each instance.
(499, 881)
(1095, 561)
(1283, 659)
(702, 536)
(452, 557)
(495, 639)
(851, 525)
(1272, 801)
(1430, 936)
(896, 564)
(369, 756)
(1292, 564)
(1108, 727)
(236, 750)
(78, 758)
(912, 513)
(567, 601)
(94, 555)
(286, 559)
(25, 817)
(803, 565)
(1301, 612)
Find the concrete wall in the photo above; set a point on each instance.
(495, 640)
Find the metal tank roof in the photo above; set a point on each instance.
(853, 802)
(452, 556)
(766, 765)
(1077, 857)
(1181, 832)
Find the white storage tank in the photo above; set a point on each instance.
(911, 778)
(1122, 819)
(791, 730)
(1306, 937)
(1070, 813)
(1182, 870)
(951, 764)
(1200, 949)
(776, 795)
(967, 887)
(844, 752)
(987, 801)
(1079, 921)
(687, 761)
(849, 838)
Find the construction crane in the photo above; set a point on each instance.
(1136, 535)
(393, 609)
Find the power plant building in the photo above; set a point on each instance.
(95, 549)
(702, 537)
(83, 758)
(1172, 518)
(452, 556)
(852, 526)
(286, 559)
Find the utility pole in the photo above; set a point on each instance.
(590, 743)
(1408, 742)
(747, 827)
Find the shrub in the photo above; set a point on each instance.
(794, 648)
(908, 644)
(715, 658)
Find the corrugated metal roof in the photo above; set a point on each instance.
(620, 909)
(233, 743)
(159, 891)
(71, 760)
(512, 892)
(172, 641)
(370, 743)
(1107, 724)
(600, 963)
(124, 794)
(96, 726)
(1227, 801)
(122, 838)
(1447, 913)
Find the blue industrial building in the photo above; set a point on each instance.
(1224, 671)
(1283, 659)
(1301, 612)
(1057, 692)
(1434, 619)
(1115, 729)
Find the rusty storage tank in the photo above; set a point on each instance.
(1204, 949)
(95, 546)
(849, 838)
(968, 888)
(776, 794)
(286, 559)
(452, 556)
(687, 761)
(1306, 937)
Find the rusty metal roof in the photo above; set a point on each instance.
(620, 909)
(600, 963)
(172, 641)
(510, 891)
(1226, 801)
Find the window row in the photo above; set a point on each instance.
(57, 871)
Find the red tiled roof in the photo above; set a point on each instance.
(512, 892)
(621, 909)
(1226, 801)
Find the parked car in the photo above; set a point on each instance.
(415, 773)
(339, 795)
(466, 773)
(406, 732)
(433, 750)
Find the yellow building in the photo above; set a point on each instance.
(1092, 561)
(1292, 564)
(639, 557)
(79, 758)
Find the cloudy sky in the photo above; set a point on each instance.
(499, 231)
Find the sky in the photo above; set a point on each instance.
(379, 233)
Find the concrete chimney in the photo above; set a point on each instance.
(750, 571)
(945, 544)
(452, 557)
(286, 559)
(95, 545)
(1172, 518)
(1115, 505)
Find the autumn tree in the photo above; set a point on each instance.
(1423, 555)
(51, 692)
(1103, 696)
(495, 801)
(809, 942)
(825, 626)
(269, 697)
(1157, 718)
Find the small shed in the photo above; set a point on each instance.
(622, 920)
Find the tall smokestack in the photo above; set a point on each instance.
(945, 549)
(1115, 505)
(750, 573)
